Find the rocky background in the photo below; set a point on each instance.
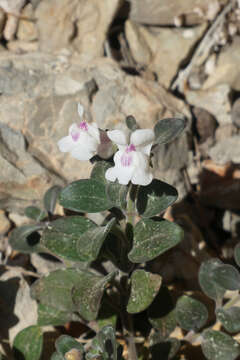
(147, 58)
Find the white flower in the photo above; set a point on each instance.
(132, 158)
(83, 139)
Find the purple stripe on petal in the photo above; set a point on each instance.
(126, 160)
(75, 136)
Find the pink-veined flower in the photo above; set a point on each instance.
(83, 139)
(132, 158)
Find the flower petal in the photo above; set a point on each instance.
(66, 144)
(142, 137)
(80, 152)
(141, 177)
(94, 131)
(80, 110)
(142, 172)
(119, 137)
(122, 173)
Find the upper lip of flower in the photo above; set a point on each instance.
(83, 139)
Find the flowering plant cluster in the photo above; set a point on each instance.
(105, 277)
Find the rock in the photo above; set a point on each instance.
(2, 21)
(168, 12)
(161, 49)
(235, 113)
(11, 7)
(27, 30)
(205, 124)
(225, 131)
(73, 23)
(39, 100)
(21, 47)
(215, 100)
(4, 223)
(18, 309)
(168, 161)
(227, 67)
(21, 176)
(226, 150)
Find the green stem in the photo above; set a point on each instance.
(131, 211)
(232, 302)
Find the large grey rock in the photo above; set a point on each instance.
(165, 12)
(39, 100)
(162, 50)
(80, 24)
(216, 100)
(227, 69)
(226, 150)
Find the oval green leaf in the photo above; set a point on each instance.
(230, 318)
(28, 343)
(191, 314)
(89, 244)
(51, 197)
(219, 346)
(167, 130)
(99, 170)
(55, 289)
(66, 343)
(26, 238)
(34, 213)
(49, 315)
(153, 238)
(85, 196)
(206, 281)
(155, 198)
(87, 294)
(226, 276)
(237, 254)
(131, 123)
(61, 237)
(145, 287)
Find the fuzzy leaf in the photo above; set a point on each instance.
(153, 238)
(191, 314)
(168, 129)
(28, 343)
(206, 281)
(117, 194)
(26, 239)
(87, 294)
(90, 243)
(85, 196)
(163, 349)
(61, 237)
(237, 254)
(145, 287)
(230, 318)
(65, 343)
(104, 346)
(98, 171)
(51, 197)
(131, 123)
(162, 314)
(34, 213)
(226, 276)
(48, 315)
(219, 346)
(155, 198)
(55, 289)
